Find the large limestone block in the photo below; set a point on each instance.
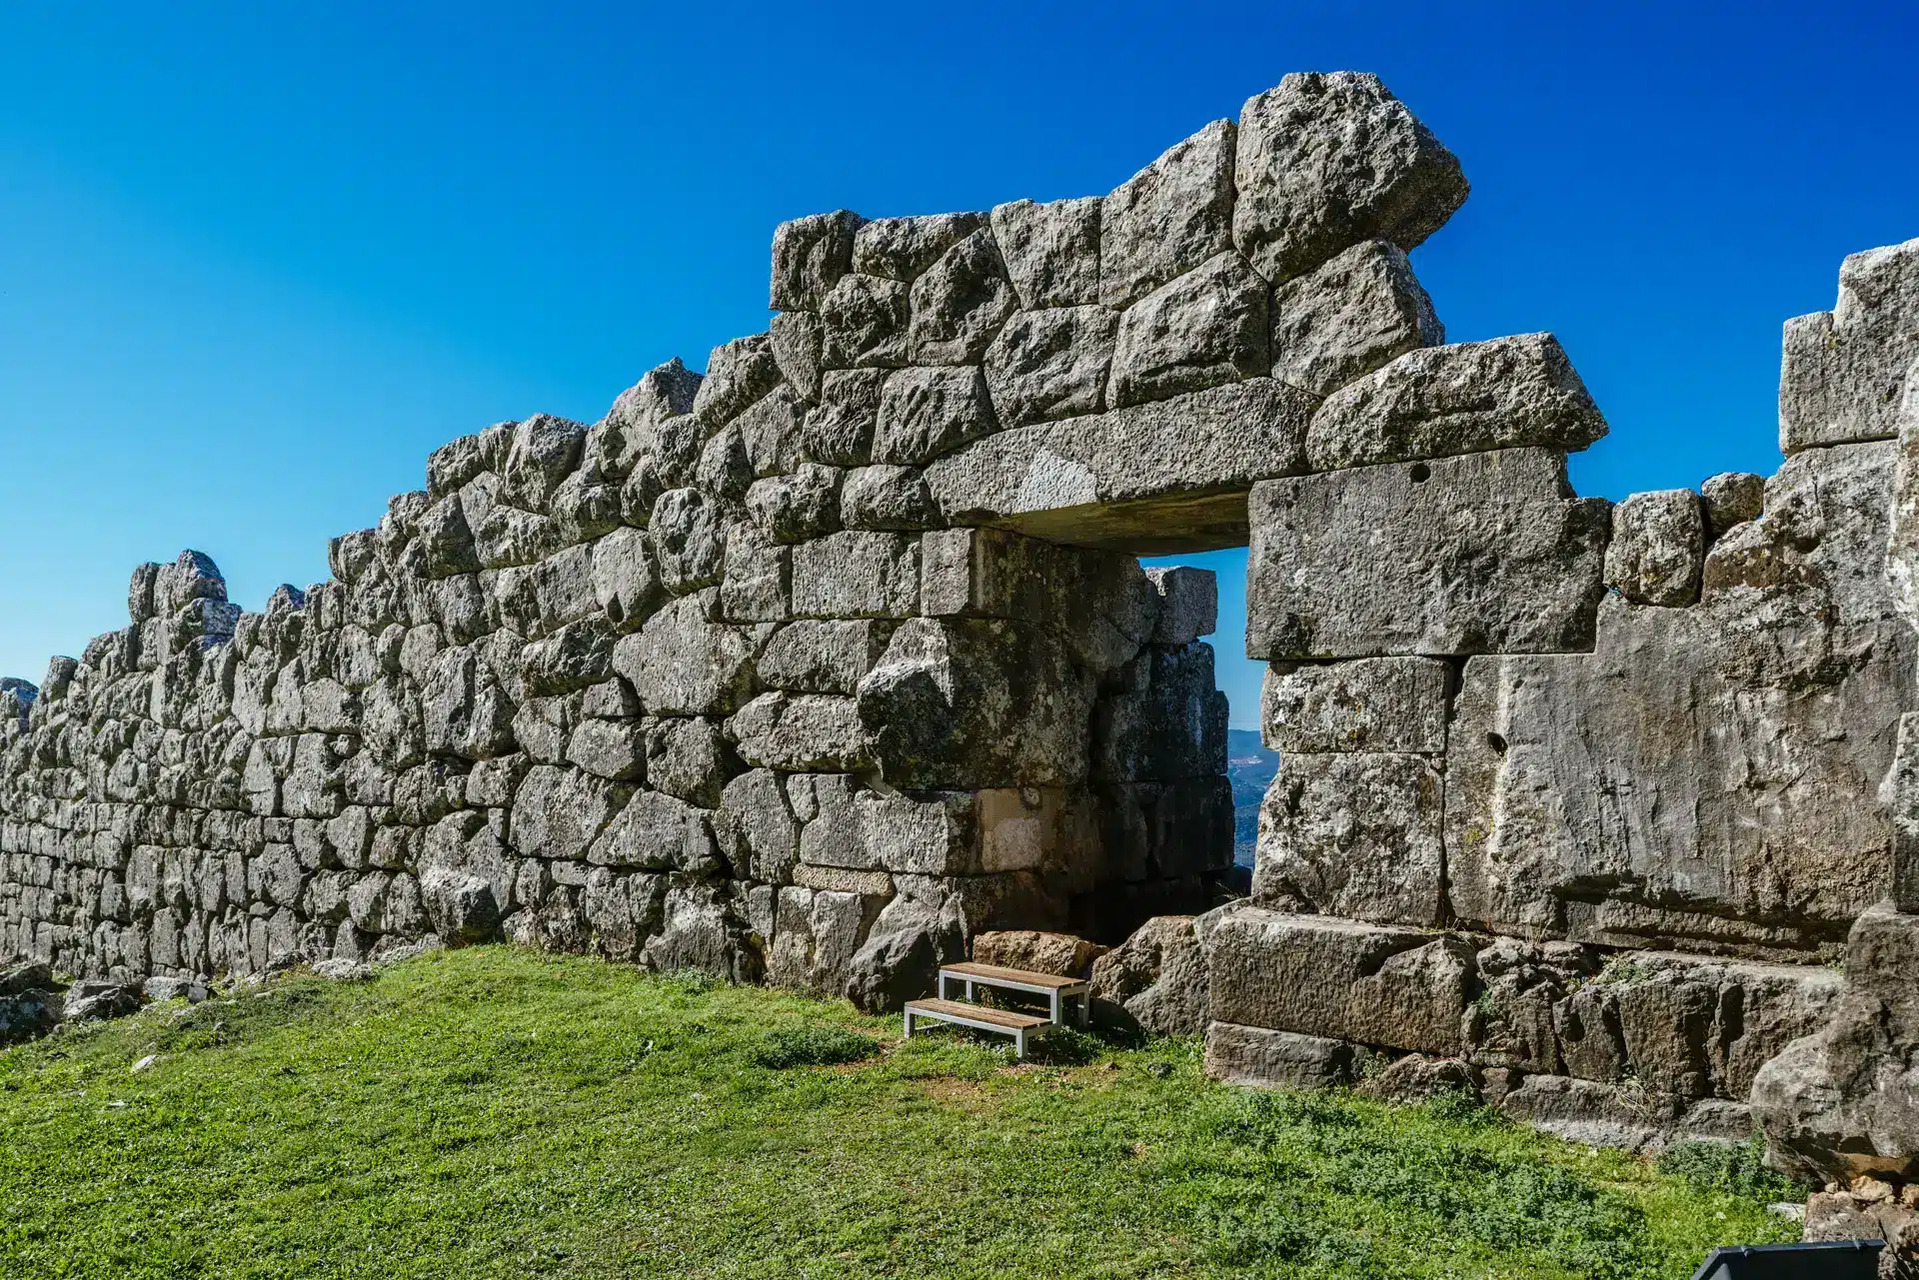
(1392, 987)
(1329, 159)
(1349, 316)
(1844, 1100)
(1353, 834)
(1658, 547)
(839, 431)
(737, 373)
(687, 758)
(1172, 725)
(1051, 250)
(902, 248)
(795, 732)
(1843, 371)
(972, 702)
(924, 413)
(1368, 704)
(1051, 364)
(1162, 477)
(1707, 772)
(681, 664)
(558, 813)
(1206, 327)
(653, 832)
(793, 508)
(688, 532)
(809, 257)
(1157, 977)
(857, 575)
(1259, 1058)
(1465, 397)
(817, 655)
(1485, 553)
(1169, 217)
(960, 303)
(762, 835)
(887, 498)
(863, 322)
(1101, 603)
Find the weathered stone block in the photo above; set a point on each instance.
(1392, 987)
(822, 655)
(1264, 1059)
(887, 498)
(688, 758)
(903, 248)
(681, 664)
(799, 732)
(1204, 328)
(961, 302)
(809, 257)
(1466, 397)
(970, 702)
(924, 413)
(1351, 315)
(1169, 217)
(1172, 726)
(1162, 477)
(1463, 555)
(1843, 371)
(1188, 604)
(1051, 364)
(857, 575)
(1658, 548)
(1353, 834)
(840, 430)
(796, 507)
(1330, 159)
(1731, 498)
(1051, 250)
(1368, 704)
(863, 323)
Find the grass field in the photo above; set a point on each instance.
(493, 1112)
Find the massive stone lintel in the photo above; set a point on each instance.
(1485, 553)
(1154, 478)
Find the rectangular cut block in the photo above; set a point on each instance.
(1100, 602)
(1397, 988)
(1368, 704)
(856, 575)
(1842, 371)
(1485, 553)
(1162, 477)
(1354, 834)
(1258, 1058)
(1174, 727)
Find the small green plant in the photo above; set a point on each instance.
(1736, 1170)
(1623, 971)
(1489, 1006)
(785, 1047)
(1462, 1106)
(1066, 1047)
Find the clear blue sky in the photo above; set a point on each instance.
(256, 261)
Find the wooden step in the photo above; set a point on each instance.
(976, 1016)
(1002, 1019)
(994, 975)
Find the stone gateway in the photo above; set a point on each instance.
(812, 668)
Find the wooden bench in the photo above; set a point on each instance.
(978, 1017)
(1055, 989)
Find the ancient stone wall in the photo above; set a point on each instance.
(813, 667)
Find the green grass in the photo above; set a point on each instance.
(493, 1112)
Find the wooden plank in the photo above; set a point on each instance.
(1004, 1019)
(993, 973)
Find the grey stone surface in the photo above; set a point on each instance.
(839, 432)
(1354, 313)
(960, 303)
(1731, 498)
(1700, 774)
(1354, 834)
(1393, 987)
(793, 508)
(1188, 604)
(924, 413)
(884, 497)
(1466, 397)
(1261, 1058)
(681, 664)
(856, 575)
(1051, 364)
(1843, 372)
(1658, 547)
(1051, 250)
(1162, 477)
(1169, 217)
(1485, 553)
(821, 655)
(903, 248)
(1367, 704)
(1328, 160)
(809, 257)
(1199, 330)
(800, 732)
(1157, 978)
(864, 321)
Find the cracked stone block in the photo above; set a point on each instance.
(960, 303)
(924, 413)
(1052, 364)
(1375, 560)
(809, 257)
(1169, 217)
(1199, 330)
(1367, 704)
(1327, 160)
(1658, 548)
(1051, 250)
(1843, 371)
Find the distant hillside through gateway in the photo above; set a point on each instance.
(1251, 767)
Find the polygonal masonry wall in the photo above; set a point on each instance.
(810, 668)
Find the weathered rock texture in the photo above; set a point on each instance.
(814, 667)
